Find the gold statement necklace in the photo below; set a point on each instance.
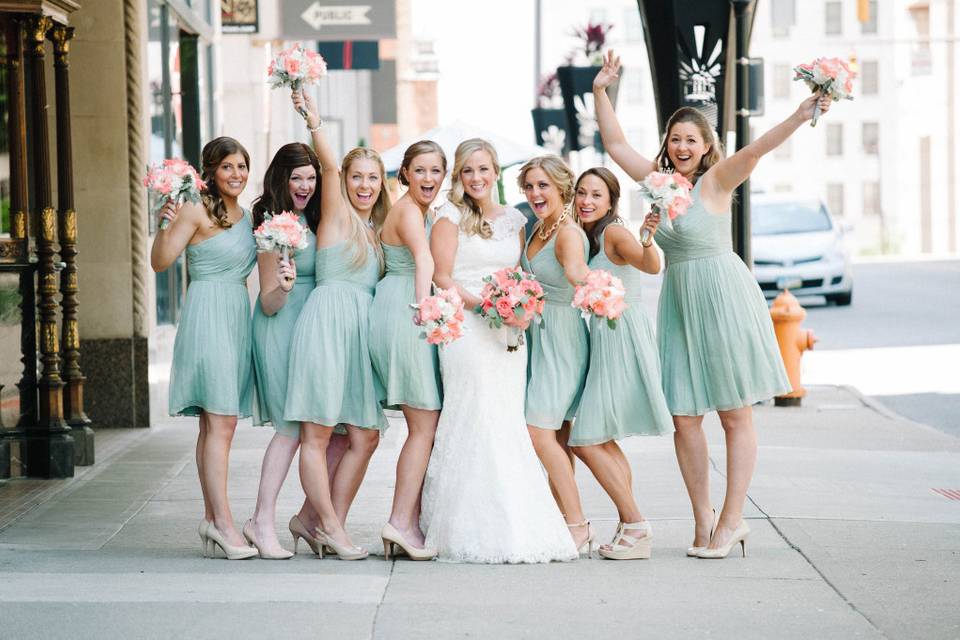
(545, 236)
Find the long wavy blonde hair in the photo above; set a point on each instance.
(358, 237)
(471, 215)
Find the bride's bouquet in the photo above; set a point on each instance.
(283, 231)
(600, 294)
(511, 298)
(173, 180)
(441, 316)
(294, 67)
(830, 76)
(668, 193)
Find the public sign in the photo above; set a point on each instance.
(332, 20)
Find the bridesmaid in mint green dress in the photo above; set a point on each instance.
(717, 345)
(556, 254)
(623, 395)
(290, 184)
(331, 380)
(211, 376)
(407, 366)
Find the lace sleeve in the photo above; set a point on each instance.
(449, 211)
(515, 220)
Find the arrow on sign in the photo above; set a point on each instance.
(318, 16)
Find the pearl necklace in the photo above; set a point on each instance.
(545, 236)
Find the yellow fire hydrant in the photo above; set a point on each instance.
(787, 314)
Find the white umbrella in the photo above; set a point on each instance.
(449, 136)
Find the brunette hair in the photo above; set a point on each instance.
(276, 192)
(695, 117)
(418, 149)
(210, 158)
(357, 235)
(471, 216)
(611, 217)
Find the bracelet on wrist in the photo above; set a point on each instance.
(316, 128)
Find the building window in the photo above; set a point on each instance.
(870, 26)
(871, 198)
(871, 138)
(785, 150)
(782, 80)
(833, 15)
(783, 15)
(834, 139)
(870, 78)
(835, 198)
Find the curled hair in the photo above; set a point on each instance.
(357, 235)
(556, 169)
(276, 191)
(695, 117)
(418, 149)
(212, 155)
(612, 216)
(471, 215)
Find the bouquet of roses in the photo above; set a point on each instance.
(294, 67)
(441, 316)
(830, 76)
(600, 294)
(668, 193)
(172, 180)
(283, 231)
(511, 298)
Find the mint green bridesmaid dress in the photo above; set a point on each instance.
(558, 346)
(717, 346)
(407, 367)
(623, 395)
(212, 369)
(331, 379)
(271, 344)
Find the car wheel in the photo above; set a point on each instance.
(841, 299)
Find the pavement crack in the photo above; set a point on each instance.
(376, 614)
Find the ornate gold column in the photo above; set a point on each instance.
(49, 443)
(83, 435)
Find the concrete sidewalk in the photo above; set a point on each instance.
(849, 540)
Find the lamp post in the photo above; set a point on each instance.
(741, 206)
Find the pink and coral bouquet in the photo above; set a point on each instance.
(668, 193)
(511, 298)
(294, 67)
(830, 76)
(172, 180)
(283, 231)
(441, 316)
(600, 294)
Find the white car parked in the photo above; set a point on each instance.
(798, 245)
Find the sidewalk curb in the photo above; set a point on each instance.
(887, 412)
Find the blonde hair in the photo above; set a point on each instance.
(357, 235)
(471, 215)
(557, 170)
(696, 118)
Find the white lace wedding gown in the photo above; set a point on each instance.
(485, 497)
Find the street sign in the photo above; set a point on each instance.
(238, 16)
(335, 20)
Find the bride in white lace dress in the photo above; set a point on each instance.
(485, 497)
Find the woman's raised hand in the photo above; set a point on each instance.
(610, 71)
(650, 224)
(304, 104)
(286, 273)
(168, 213)
(806, 107)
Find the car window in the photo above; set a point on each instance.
(773, 218)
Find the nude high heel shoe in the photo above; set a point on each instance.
(739, 535)
(393, 539)
(636, 548)
(204, 540)
(248, 536)
(588, 543)
(693, 552)
(344, 552)
(232, 552)
(298, 531)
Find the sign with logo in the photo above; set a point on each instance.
(238, 16)
(336, 20)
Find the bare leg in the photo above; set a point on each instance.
(335, 449)
(314, 439)
(691, 446)
(614, 449)
(741, 439)
(352, 468)
(557, 464)
(563, 436)
(411, 468)
(607, 468)
(201, 441)
(216, 466)
(273, 471)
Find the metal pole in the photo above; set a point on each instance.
(537, 45)
(741, 207)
